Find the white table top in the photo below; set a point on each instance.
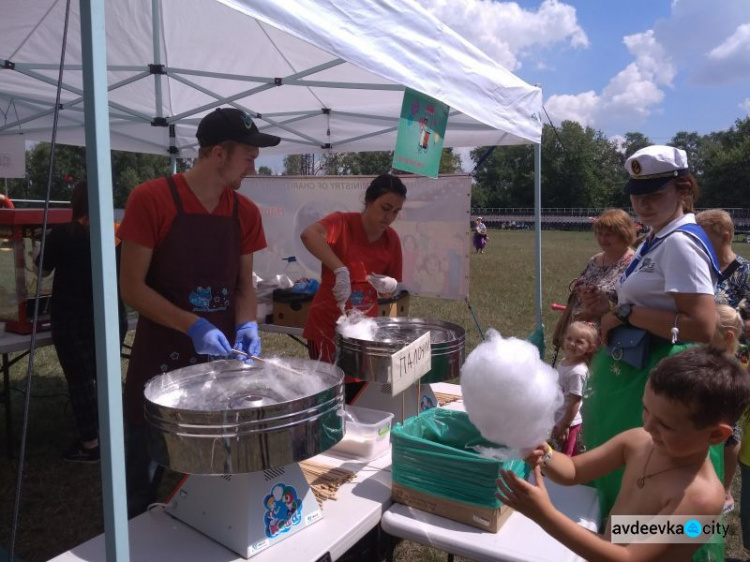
(519, 538)
(155, 536)
(10, 342)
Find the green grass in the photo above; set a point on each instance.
(61, 503)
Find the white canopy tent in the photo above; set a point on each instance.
(319, 76)
(323, 75)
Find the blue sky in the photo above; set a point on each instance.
(652, 66)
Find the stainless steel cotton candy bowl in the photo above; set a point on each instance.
(371, 360)
(226, 417)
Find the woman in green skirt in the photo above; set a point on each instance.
(664, 301)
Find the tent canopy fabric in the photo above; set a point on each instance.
(321, 74)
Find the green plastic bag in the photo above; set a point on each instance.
(432, 454)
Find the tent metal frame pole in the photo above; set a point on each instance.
(79, 92)
(538, 231)
(77, 101)
(208, 92)
(173, 150)
(349, 85)
(247, 93)
(77, 67)
(155, 29)
(260, 79)
(104, 275)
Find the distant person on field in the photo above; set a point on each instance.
(480, 236)
(67, 253)
(690, 403)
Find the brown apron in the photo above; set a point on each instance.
(196, 268)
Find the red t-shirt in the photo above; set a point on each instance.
(151, 210)
(346, 236)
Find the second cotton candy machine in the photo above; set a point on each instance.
(370, 360)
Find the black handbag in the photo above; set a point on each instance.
(631, 345)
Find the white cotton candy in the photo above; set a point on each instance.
(510, 394)
(356, 325)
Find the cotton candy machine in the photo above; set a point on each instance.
(371, 360)
(226, 417)
(240, 431)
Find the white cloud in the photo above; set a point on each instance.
(505, 31)
(736, 45)
(630, 96)
(579, 107)
(467, 164)
(730, 60)
(746, 106)
(619, 141)
(709, 41)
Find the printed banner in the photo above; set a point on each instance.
(12, 156)
(421, 130)
(433, 225)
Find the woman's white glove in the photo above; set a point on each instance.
(342, 289)
(383, 283)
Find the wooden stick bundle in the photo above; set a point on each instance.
(324, 480)
(444, 398)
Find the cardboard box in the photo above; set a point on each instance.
(290, 309)
(432, 469)
(484, 518)
(398, 305)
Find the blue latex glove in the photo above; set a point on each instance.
(208, 339)
(247, 339)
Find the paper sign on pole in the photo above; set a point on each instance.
(421, 130)
(410, 363)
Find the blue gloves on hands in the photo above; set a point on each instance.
(247, 339)
(208, 339)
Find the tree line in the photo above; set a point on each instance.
(580, 168)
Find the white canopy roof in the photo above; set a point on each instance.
(318, 73)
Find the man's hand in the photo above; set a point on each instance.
(342, 289)
(247, 338)
(208, 339)
(529, 499)
(382, 283)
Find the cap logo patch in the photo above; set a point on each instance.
(247, 120)
(636, 167)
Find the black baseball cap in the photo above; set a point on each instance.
(229, 124)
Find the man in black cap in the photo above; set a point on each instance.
(187, 261)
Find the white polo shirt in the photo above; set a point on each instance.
(676, 264)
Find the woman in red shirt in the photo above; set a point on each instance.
(351, 247)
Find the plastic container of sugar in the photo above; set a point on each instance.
(367, 435)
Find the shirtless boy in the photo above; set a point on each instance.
(690, 403)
